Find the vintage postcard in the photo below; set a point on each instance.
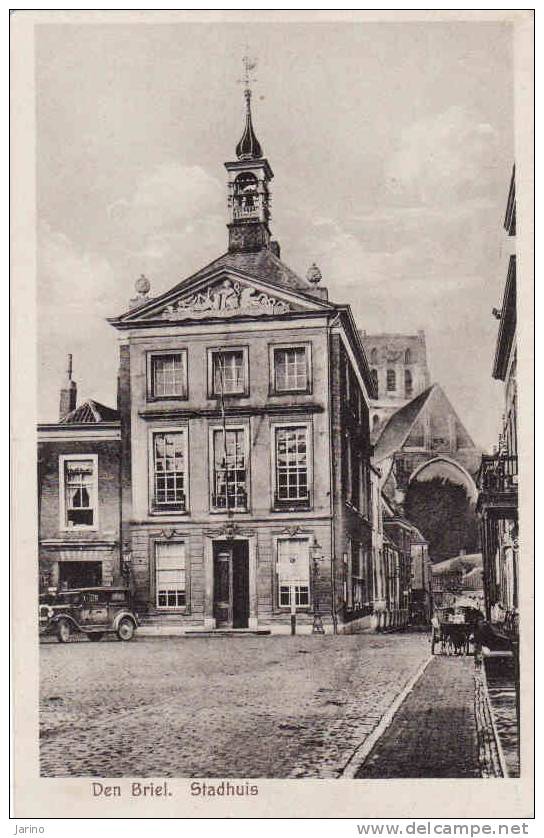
(272, 414)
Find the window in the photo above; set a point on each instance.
(346, 465)
(357, 578)
(374, 374)
(373, 356)
(408, 356)
(229, 469)
(78, 479)
(292, 482)
(169, 471)
(391, 381)
(375, 421)
(291, 369)
(228, 372)
(293, 571)
(167, 375)
(356, 465)
(170, 574)
(408, 388)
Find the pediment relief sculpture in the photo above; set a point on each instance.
(224, 299)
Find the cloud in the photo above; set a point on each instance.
(77, 290)
(168, 195)
(171, 224)
(441, 158)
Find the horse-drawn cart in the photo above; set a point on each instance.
(453, 630)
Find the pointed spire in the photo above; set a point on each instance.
(249, 147)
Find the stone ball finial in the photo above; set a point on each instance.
(142, 285)
(313, 274)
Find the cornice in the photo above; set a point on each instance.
(233, 411)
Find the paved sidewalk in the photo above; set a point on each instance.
(435, 731)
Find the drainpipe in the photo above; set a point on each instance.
(332, 485)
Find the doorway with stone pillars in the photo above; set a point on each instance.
(230, 570)
(231, 583)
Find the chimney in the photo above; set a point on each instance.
(68, 393)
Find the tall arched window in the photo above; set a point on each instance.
(391, 381)
(374, 374)
(375, 421)
(408, 386)
(408, 356)
(374, 356)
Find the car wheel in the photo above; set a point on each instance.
(96, 636)
(64, 630)
(125, 629)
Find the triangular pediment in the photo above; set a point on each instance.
(223, 294)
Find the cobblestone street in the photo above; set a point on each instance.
(218, 707)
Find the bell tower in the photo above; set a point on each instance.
(248, 185)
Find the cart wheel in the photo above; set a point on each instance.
(125, 629)
(64, 630)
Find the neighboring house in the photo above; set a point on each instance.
(421, 595)
(78, 494)
(244, 407)
(498, 475)
(399, 533)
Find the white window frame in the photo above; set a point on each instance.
(285, 607)
(211, 461)
(167, 429)
(185, 588)
(157, 353)
(276, 347)
(215, 350)
(63, 525)
(275, 427)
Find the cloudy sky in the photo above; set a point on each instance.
(391, 144)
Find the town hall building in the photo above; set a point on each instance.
(246, 491)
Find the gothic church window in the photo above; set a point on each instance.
(391, 381)
(408, 356)
(408, 386)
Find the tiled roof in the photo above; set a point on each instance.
(260, 264)
(90, 413)
(399, 425)
(466, 563)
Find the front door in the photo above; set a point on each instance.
(231, 584)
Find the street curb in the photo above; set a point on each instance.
(360, 754)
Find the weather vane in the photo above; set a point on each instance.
(249, 65)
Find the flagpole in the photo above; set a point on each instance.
(223, 417)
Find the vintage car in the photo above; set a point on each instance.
(90, 611)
